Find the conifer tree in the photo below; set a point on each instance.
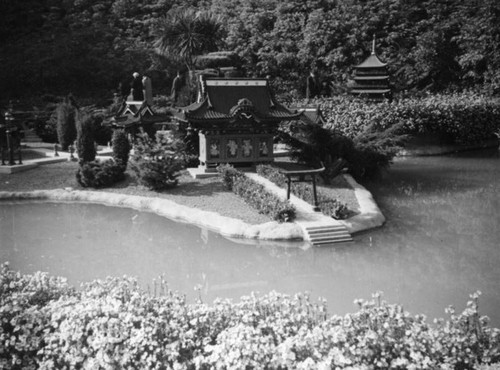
(66, 128)
(85, 142)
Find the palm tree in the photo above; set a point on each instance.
(184, 34)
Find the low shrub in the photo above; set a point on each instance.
(157, 163)
(256, 195)
(113, 323)
(328, 206)
(229, 174)
(47, 129)
(98, 174)
(369, 151)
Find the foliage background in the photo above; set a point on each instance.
(87, 47)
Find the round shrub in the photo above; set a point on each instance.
(228, 174)
(47, 130)
(100, 174)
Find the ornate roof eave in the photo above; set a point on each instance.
(200, 115)
(185, 114)
(233, 120)
(373, 61)
(136, 120)
(290, 116)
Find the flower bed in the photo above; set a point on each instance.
(328, 206)
(114, 324)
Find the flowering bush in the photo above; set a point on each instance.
(113, 324)
(328, 206)
(256, 195)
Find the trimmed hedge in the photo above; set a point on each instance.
(256, 195)
(464, 118)
(114, 324)
(328, 206)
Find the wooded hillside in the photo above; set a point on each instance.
(86, 47)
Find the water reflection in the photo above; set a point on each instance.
(440, 244)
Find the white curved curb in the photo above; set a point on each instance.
(226, 226)
(370, 215)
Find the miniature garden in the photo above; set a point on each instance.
(193, 150)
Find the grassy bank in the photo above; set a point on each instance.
(204, 194)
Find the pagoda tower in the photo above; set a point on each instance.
(371, 79)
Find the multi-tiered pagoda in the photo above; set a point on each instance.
(371, 79)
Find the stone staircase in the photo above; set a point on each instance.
(327, 234)
(31, 137)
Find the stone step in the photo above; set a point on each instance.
(331, 234)
(328, 234)
(327, 229)
(324, 226)
(31, 137)
(336, 241)
(327, 237)
(32, 140)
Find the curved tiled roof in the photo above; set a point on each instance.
(372, 62)
(223, 95)
(135, 113)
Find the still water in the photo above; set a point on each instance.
(441, 243)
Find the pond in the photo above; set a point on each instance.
(441, 243)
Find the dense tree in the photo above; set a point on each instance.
(183, 34)
(87, 46)
(479, 43)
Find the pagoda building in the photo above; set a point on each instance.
(371, 79)
(236, 120)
